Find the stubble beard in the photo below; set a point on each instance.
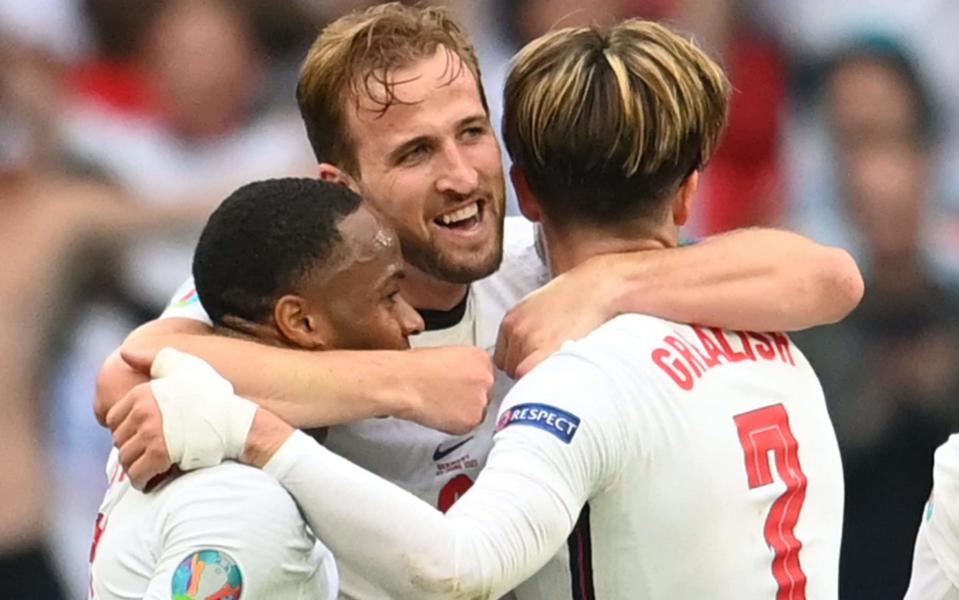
(430, 258)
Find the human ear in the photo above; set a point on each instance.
(301, 326)
(683, 204)
(528, 202)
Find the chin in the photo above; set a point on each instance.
(470, 269)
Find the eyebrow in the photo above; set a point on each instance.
(394, 272)
(397, 153)
(478, 118)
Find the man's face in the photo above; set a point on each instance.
(358, 297)
(431, 165)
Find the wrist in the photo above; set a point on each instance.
(266, 436)
(613, 284)
(402, 399)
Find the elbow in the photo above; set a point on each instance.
(841, 284)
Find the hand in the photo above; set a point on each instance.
(187, 416)
(266, 436)
(137, 427)
(567, 308)
(449, 387)
(114, 382)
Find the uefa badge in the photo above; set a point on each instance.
(207, 575)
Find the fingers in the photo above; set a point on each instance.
(143, 462)
(502, 348)
(529, 363)
(131, 451)
(119, 411)
(514, 356)
(124, 432)
(140, 362)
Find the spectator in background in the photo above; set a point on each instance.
(207, 124)
(889, 369)
(56, 227)
(743, 185)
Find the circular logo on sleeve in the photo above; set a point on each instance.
(207, 575)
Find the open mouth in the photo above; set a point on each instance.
(464, 218)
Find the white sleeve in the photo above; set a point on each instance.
(935, 568)
(185, 303)
(230, 531)
(561, 441)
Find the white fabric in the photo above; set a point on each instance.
(401, 451)
(231, 508)
(663, 469)
(935, 567)
(203, 423)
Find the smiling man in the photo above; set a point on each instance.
(650, 459)
(290, 263)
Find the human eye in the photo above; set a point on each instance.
(473, 132)
(390, 298)
(414, 154)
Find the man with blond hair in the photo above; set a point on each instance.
(394, 109)
(671, 460)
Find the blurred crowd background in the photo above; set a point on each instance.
(124, 122)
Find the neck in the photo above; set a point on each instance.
(570, 246)
(426, 292)
(260, 333)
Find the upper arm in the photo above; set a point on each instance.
(508, 525)
(241, 532)
(560, 442)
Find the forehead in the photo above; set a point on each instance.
(369, 254)
(430, 91)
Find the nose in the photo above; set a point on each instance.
(459, 176)
(410, 321)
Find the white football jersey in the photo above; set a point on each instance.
(436, 467)
(935, 563)
(228, 532)
(706, 459)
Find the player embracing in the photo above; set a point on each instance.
(670, 460)
(394, 109)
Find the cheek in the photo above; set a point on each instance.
(402, 198)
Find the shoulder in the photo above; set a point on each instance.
(523, 268)
(232, 497)
(946, 467)
(185, 303)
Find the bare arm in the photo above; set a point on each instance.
(316, 389)
(749, 279)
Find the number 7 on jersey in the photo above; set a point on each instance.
(761, 431)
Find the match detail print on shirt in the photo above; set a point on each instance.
(553, 420)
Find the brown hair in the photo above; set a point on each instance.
(355, 55)
(605, 124)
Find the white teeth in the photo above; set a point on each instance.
(461, 215)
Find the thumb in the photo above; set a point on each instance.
(139, 361)
(527, 364)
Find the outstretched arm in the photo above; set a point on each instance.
(749, 279)
(519, 512)
(506, 527)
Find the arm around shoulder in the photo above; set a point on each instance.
(749, 279)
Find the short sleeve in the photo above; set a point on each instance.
(233, 532)
(185, 303)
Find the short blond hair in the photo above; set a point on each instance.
(355, 54)
(604, 124)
